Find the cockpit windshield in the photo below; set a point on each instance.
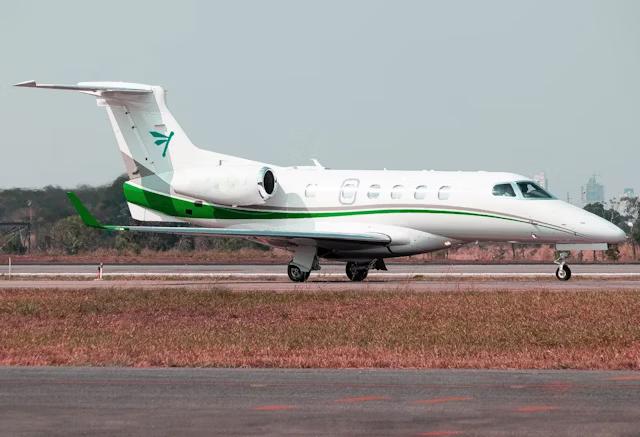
(504, 190)
(531, 190)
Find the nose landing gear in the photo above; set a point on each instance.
(563, 272)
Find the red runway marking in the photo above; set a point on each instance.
(440, 433)
(443, 400)
(363, 399)
(534, 408)
(274, 408)
(625, 378)
(557, 386)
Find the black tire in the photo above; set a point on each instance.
(356, 272)
(563, 273)
(296, 274)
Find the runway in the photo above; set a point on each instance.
(278, 270)
(402, 277)
(109, 401)
(284, 285)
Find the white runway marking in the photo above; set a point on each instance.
(238, 275)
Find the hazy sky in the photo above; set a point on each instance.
(518, 86)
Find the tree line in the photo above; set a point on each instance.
(57, 228)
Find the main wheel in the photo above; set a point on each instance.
(563, 273)
(296, 274)
(356, 272)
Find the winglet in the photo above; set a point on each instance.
(84, 213)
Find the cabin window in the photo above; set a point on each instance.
(443, 192)
(374, 191)
(396, 192)
(310, 190)
(420, 193)
(531, 190)
(505, 190)
(348, 191)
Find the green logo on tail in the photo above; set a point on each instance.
(163, 139)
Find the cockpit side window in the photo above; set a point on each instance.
(531, 190)
(505, 190)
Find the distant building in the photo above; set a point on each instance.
(541, 179)
(593, 192)
(628, 192)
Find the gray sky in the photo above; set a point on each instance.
(507, 85)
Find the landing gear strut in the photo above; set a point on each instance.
(563, 272)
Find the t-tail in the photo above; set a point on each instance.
(157, 153)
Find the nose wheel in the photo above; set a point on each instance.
(563, 272)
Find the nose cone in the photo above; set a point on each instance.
(604, 231)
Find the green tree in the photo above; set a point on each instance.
(13, 244)
(71, 236)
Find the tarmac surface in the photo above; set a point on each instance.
(279, 269)
(403, 277)
(284, 285)
(123, 401)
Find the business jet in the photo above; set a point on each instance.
(360, 217)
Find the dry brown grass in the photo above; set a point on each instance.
(321, 329)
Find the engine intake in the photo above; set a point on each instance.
(227, 184)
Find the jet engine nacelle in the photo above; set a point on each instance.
(227, 184)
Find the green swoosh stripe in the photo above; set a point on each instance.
(177, 207)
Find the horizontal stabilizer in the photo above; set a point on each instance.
(92, 87)
(373, 238)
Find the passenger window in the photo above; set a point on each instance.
(396, 193)
(443, 192)
(311, 190)
(421, 192)
(349, 191)
(504, 190)
(374, 191)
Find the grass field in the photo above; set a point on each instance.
(587, 330)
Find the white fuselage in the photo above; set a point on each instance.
(420, 210)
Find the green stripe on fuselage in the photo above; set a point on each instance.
(177, 207)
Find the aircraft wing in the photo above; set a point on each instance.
(371, 238)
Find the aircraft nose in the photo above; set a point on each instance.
(607, 232)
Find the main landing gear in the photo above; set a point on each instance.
(296, 274)
(304, 260)
(358, 272)
(563, 272)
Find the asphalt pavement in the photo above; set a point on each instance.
(167, 402)
(270, 269)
